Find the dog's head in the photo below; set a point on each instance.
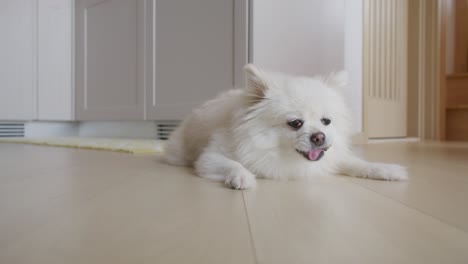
(296, 114)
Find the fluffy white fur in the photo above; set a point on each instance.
(244, 134)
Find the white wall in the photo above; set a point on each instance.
(353, 59)
(299, 36)
(311, 37)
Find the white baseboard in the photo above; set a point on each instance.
(117, 129)
(51, 129)
(388, 140)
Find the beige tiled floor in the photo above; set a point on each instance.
(61, 205)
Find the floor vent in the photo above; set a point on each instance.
(165, 128)
(11, 129)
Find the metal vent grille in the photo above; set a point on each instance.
(165, 128)
(11, 130)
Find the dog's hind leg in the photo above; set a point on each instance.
(216, 166)
(355, 167)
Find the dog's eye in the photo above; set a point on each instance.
(325, 121)
(296, 124)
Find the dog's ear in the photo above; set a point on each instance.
(257, 85)
(338, 79)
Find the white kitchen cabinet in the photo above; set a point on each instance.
(80, 60)
(17, 59)
(193, 57)
(152, 60)
(110, 59)
(36, 60)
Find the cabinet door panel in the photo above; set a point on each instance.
(55, 93)
(17, 59)
(194, 56)
(109, 48)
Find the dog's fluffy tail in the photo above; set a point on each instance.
(174, 149)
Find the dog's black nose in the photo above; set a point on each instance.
(318, 139)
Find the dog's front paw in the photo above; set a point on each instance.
(387, 172)
(240, 180)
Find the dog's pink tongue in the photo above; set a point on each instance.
(314, 154)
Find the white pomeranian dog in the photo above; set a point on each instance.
(278, 127)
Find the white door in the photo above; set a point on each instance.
(385, 67)
(17, 59)
(110, 58)
(193, 59)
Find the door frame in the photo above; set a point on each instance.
(426, 71)
(431, 69)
